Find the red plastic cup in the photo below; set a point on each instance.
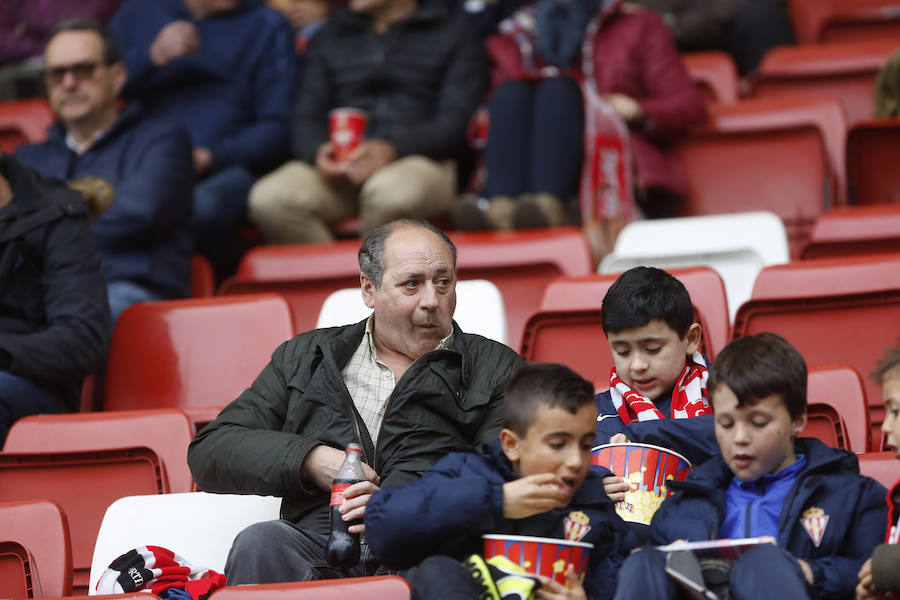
(540, 556)
(347, 126)
(647, 469)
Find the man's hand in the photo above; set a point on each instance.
(619, 438)
(355, 499)
(551, 590)
(532, 495)
(177, 39)
(626, 107)
(322, 463)
(5, 192)
(367, 158)
(333, 172)
(202, 159)
(615, 487)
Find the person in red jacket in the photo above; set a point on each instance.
(545, 56)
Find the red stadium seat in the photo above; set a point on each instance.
(834, 311)
(845, 71)
(197, 354)
(785, 156)
(167, 431)
(844, 20)
(23, 121)
(855, 230)
(519, 263)
(35, 550)
(873, 153)
(203, 282)
(715, 74)
(84, 484)
(883, 467)
(305, 274)
(568, 328)
(383, 587)
(838, 392)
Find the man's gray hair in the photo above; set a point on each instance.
(371, 253)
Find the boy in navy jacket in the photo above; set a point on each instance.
(659, 376)
(536, 480)
(825, 516)
(880, 574)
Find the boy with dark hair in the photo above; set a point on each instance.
(659, 376)
(535, 480)
(811, 499)
(879, 576)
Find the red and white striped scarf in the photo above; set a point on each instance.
(689, 397)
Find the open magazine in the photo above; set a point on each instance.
(683, 561)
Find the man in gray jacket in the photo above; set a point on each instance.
(406, 384)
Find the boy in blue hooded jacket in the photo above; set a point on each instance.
(536, 480)
(824, 515)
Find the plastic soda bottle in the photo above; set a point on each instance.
(343, 547)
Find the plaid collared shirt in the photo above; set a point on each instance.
(370, 381)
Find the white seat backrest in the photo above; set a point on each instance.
(197, 526)
(479, 309)
(736, 245)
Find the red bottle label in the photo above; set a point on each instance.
(337, 493)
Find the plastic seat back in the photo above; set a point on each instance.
(167, 431)
(766, 156)
(479, 309)
(834, 311)
(880, 466)
(854, 231)
(304, 274)
(715, 74)
(873, 152)
(382, 587)
(838, 391)
(83, 484)
(23, 121)
(845, 71)
(844, 20)
(197, 354)
(568, 327)
(736, 246)
(35, 550)
(199, 526)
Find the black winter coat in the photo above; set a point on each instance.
(54, 315)
(446, 398)
(419, 82)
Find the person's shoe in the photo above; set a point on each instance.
(500, 212)
(470, 214)
(539, 210)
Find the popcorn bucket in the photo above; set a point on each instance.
(646, 468)
(346, 126)
(550, 557)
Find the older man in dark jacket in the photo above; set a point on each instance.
(418, 75)
(406, 384)
(144, 236)
(54, 320)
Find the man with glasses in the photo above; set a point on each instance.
(143, 166)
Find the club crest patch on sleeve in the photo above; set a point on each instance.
(576, 526)
(814, 521)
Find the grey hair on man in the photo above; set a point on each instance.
(371, 253)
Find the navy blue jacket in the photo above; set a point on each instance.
(854, 506)
(461, 497)
(54, 318)
(145, 235)
(693, 438)
(233, 94)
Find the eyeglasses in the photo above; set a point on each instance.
(80, 71)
